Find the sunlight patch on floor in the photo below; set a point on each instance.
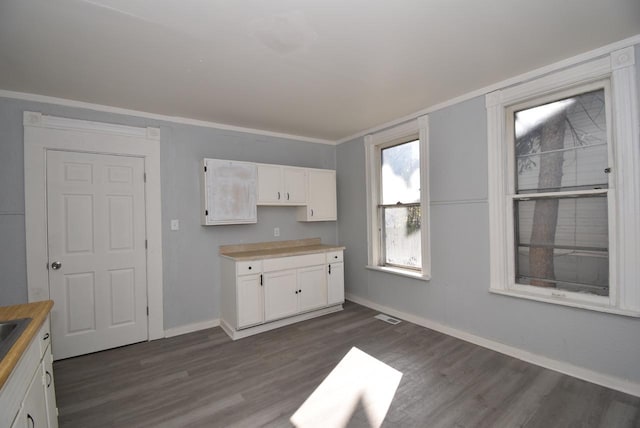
(358, 381)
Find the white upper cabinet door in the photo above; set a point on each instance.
(269, 184)
(295, 185)
(312, 288)
(321, 205)
(229, 192)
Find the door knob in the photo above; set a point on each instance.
(56, 265)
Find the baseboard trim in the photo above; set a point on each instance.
(190, 328)
(271, 325)
(563, 367)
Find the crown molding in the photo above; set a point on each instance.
(622, 45)
(173, 119)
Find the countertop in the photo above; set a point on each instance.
(263, 250)
(38, 312)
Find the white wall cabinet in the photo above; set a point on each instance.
(228, 191)
(321, 204)
(28, 400)
(260, 295)
(232, 190)
(281, 185)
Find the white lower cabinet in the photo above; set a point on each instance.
(33, 412)
(335, 283)
(280, 294)
(29, 391)
(312, 288)
(250, 300)
(259, 295)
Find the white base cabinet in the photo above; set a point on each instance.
(28, 398)
(260, 295)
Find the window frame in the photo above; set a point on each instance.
(374, 143)
(616, 74)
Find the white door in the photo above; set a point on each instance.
(322, 195)
(335, 283)
(312, 288)
(269, 184)
(295, 185)
(250, 301)
(280, 294)
(97, 256)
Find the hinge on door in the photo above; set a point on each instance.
(47, 265)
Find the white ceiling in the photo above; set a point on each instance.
(324, 69)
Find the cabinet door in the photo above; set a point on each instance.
(33, 412)
(335, 283)
(229, 191)
(250, 301)
(49, 389)
(280, 297)
(295, 185)
(312, 288)
(269, 184)
(321, 204)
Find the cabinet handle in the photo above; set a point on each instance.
(296, 291)
(260, 279)
(249, 267)
(311, 212)
(300, 291)
(30, 418)
(46, 336)
(329, 269)
(48, 378)
(278, 195)
(287, 196)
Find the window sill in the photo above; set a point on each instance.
(401, 272)
(566, 301)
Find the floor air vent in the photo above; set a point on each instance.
(387, 318)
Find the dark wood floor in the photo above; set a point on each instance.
(204, 379)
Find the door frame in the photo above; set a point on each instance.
(39, 136)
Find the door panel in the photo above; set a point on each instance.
(312, 283)
(250, 301)
(280, 297)
(335, 283)
(295, 185)
(96, 230)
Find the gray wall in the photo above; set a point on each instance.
(457, 295)
(190, 255)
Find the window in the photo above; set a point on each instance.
(397, 195)
(562, 228)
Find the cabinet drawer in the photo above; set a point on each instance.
(293, 262)
(334, 256)
(249, 267)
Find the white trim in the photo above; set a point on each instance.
(246, 332)
(401, 272)
(623, 193)
(563, 367)
(190, 328)
(577, 59)
(143, 142)
(154, 116)
(373, 143)
(627, 160)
